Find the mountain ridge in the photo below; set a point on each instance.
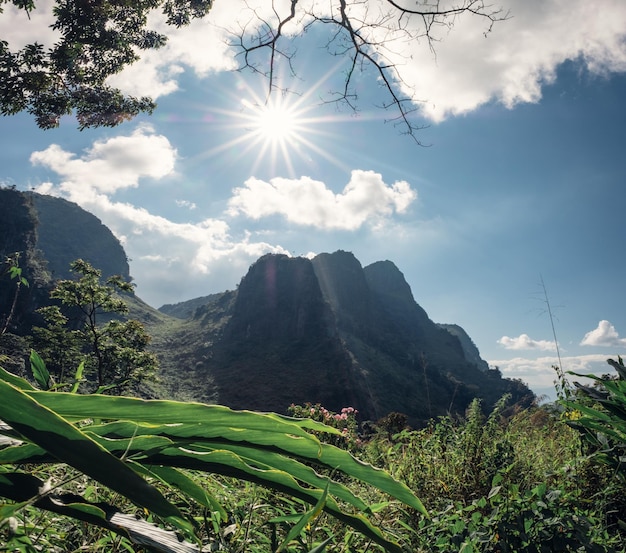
(322, 330)
(336, 333)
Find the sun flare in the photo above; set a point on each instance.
(277, 123)
(274, 122)
(277, 132)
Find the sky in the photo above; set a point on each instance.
(508, 220)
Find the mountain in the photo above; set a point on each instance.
(470, 350)
(66, 232)
(327, 330)
(323, 330)
(48, 233)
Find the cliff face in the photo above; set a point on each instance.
(280, 344)
(18, 241)
(469, 347)
(67, 232)
(49, 233)
(330, 331)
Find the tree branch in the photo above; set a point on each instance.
(367, 39)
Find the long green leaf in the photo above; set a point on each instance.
(68, 444)
(142, 449)
(78, 377)
(228, 464)
(306, 518)
(24, 488)
(158, 437)
(18, 382)
(175, 478)
(304, 446)
(40, 372)
(158, 411)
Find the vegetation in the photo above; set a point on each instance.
(114, 352)
(98, 39)
(241, 481)
(117, 473)
(118, 441)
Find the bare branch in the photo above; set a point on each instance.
(365, 38)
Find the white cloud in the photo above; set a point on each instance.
(20, 28)
(604, 335)
(517, 58)
(511, 64)
(110, 164)
(202, 46)
(523, 341)
(171, 261)
(174, 261)
(540, 375)
(305, 201)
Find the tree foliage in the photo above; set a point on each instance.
(114, 350)
(599, 413)
(98, 38)
(101, 37)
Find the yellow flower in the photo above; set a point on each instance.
(573, 415)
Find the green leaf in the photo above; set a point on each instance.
(25, 489)
(16, 381)
(159, 438)
(320, 548)
(305, 520)
(176, 478)
(40, 373)
(78, 377)
(9, 510)
(68, 444)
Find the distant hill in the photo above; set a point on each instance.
(469, 347)
(323, 330)
(66, 232)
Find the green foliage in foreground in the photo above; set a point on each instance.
(600, 416)
(138, 448)
(502, 483)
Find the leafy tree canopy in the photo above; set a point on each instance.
(114, 351)
(98, 39)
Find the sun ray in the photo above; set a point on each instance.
(277, 132)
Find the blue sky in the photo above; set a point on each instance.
(523, 178)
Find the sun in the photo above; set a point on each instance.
(276, 133)
(274, 122)
(278, 130)
(277, 123)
